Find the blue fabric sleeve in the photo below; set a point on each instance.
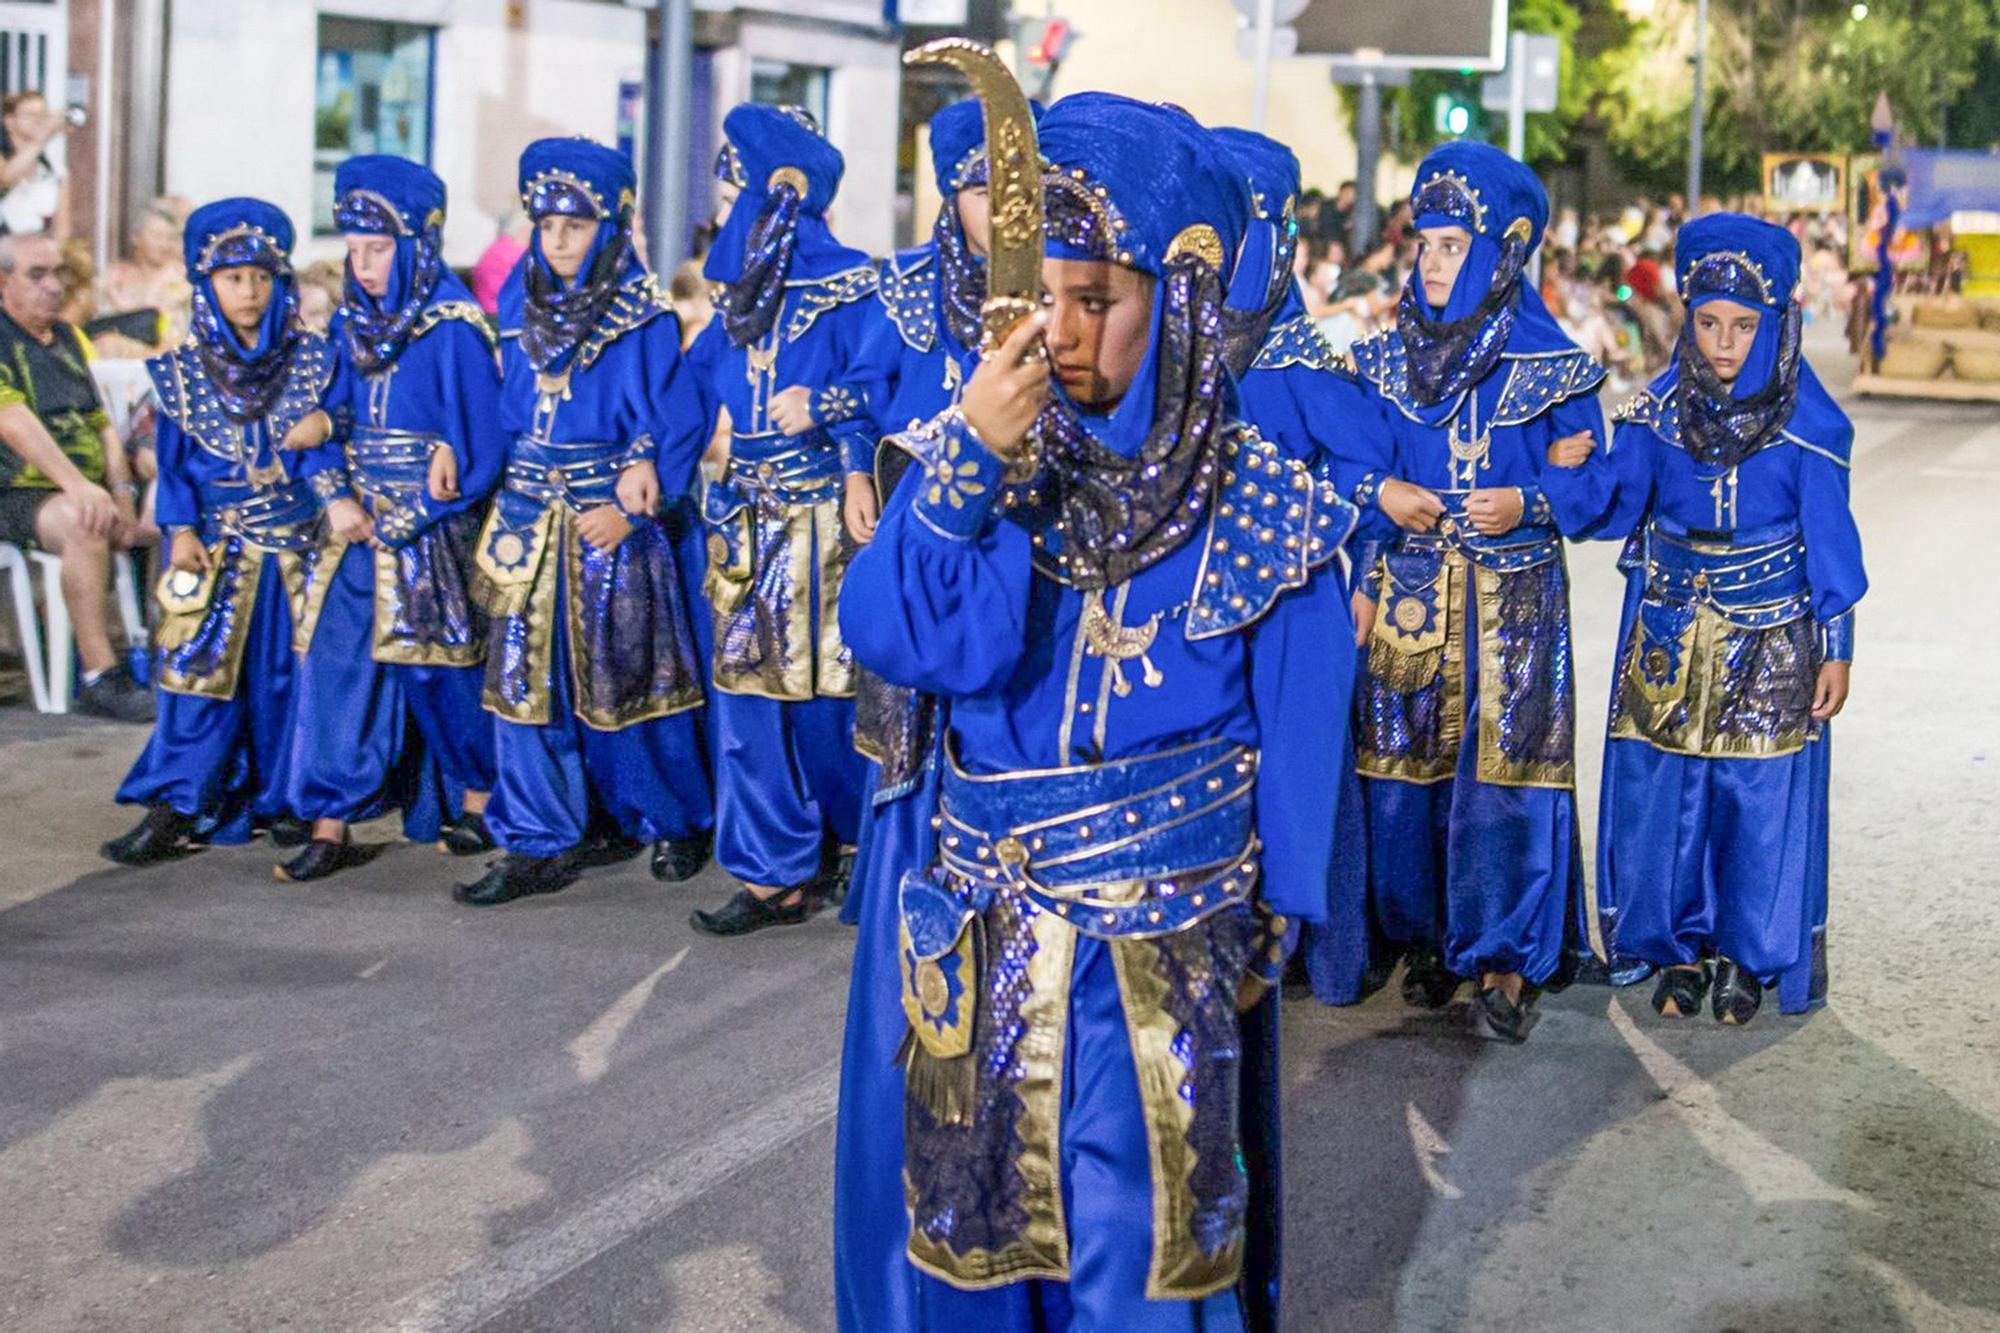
(324, 467)
(176, 504)
(677, 412)
(1833, 544)
(924, 606)
(1577, 498)
(1302, 655)
(878, 368)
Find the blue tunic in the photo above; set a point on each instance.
(591, 669)
(787, 778)
(1713, 832)
(1045, 680)
(220, 747)
(1473, 843)
(400, 639)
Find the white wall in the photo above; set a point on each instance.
(240, 88)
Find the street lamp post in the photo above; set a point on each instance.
(670, 107)
(1699, 107)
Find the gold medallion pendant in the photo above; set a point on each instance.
(1411, 613)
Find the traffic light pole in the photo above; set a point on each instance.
(1267, 23)
(1517, 95)
(1367, 152)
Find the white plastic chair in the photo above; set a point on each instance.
(49, 646)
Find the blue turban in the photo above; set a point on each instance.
(378, 195)
(1731, 257)
(776, 231)
(579, 178)
(1490, 310)
(230, 233)
(1264, 293)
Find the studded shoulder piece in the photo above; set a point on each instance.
(465, 311)
(189, 400)
(1298, 342)
(638, 303)
(1538, 382)
(906, 283)
(1658, 411)
(1272, 525)
(819, 295)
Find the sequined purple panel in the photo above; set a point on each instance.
(1204, 970)
(207, 652)
(895, 724)
(430, 606)
(636, 647)
(1533, 697)
(750, 305)
(1767, 681)
(513, 677)
(963, 1181)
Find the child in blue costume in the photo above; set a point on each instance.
(254, 498)
(397, 655)
(1466, 727)
(591, 669)
(779, 358)
(1115, 613)
(1731, 475)
(917, 354)
(1303, 395)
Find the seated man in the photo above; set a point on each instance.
(64, 483)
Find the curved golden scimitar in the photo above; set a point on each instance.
(1014, 185)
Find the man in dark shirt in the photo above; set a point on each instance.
(64, 482)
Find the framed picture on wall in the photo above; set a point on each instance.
(1804, 183)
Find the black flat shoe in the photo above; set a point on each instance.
(288, 831)
(746, 912)
(1498, 1018)
(514, 877)
(466, 836)
(1428, 983)
(322, 857)
(1681, 990)
(678, 859)
(1736, 996)
(831, 886)
(163, 835)
(608, 849)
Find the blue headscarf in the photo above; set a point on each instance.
(1264, 293)
(379, 195)
(226, 234)
(1731, 257)
(582, 179)
(1491, 310)
(1144, 186)
(776, 231)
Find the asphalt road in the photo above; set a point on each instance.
(230, 1104)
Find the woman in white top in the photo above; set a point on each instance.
(34, 196)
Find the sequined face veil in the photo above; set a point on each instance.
(555, 318)
(1723, 424)
(1450, 353)
(1124, 509)
(749, 305)
(247, 380)
(378, 329)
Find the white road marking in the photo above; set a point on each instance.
(1430, 1146)
(1768, 1172)
(480, 1291)
(592, 1048)
(369, 972)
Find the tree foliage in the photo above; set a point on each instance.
(1783, 76)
